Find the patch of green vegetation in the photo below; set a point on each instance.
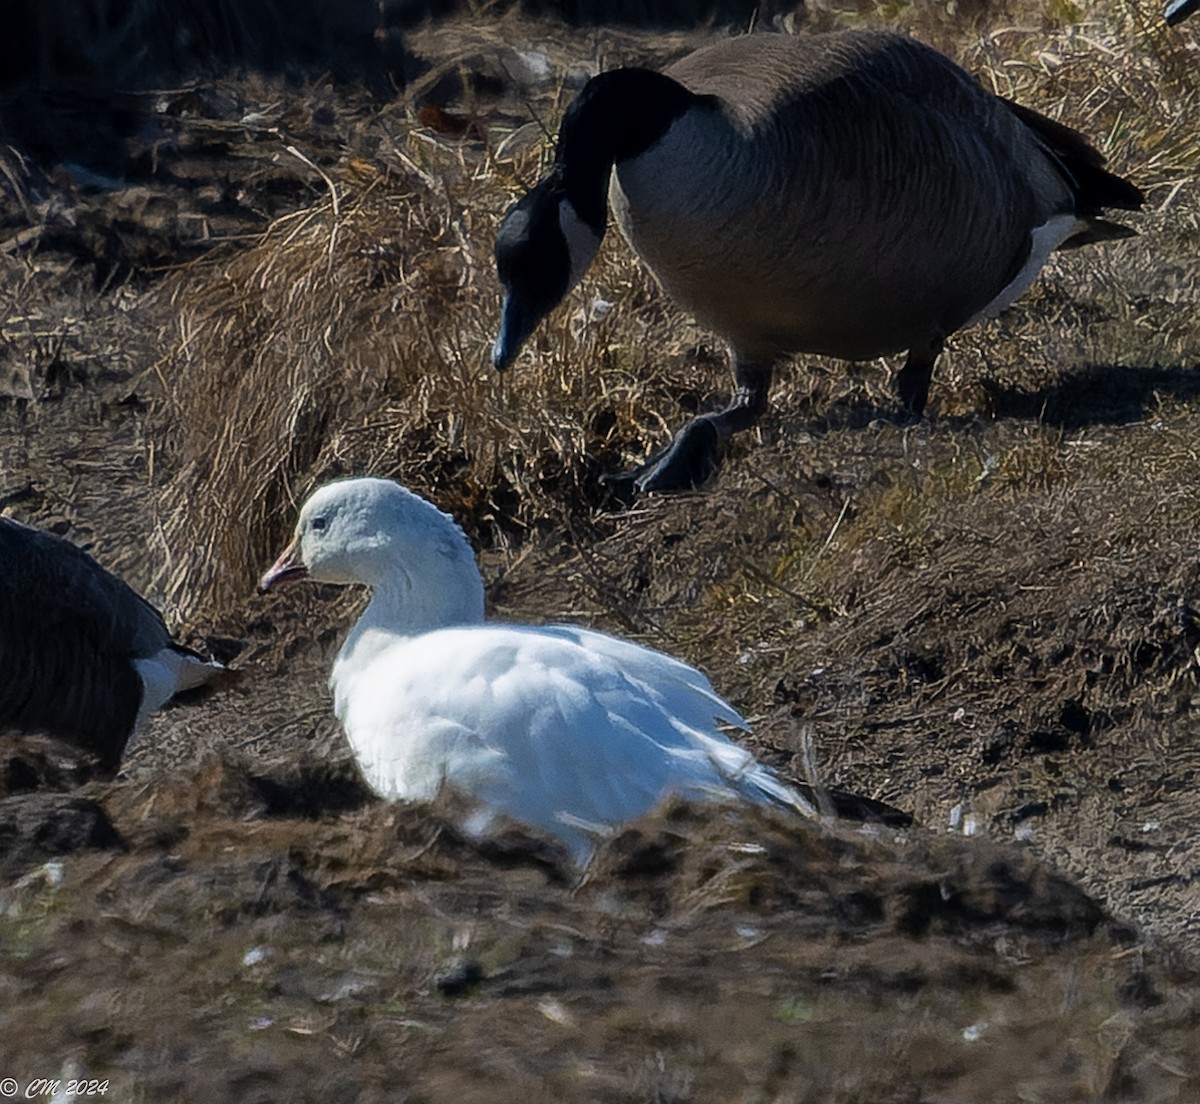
(1063, 13)
(794, 1010)
(903, 514)
(1035, 463)
(25, 921)
(20, 939)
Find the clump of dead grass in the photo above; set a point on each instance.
(289, 354)
(354, 337)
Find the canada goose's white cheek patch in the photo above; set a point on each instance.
(583, 243)
(516, 224)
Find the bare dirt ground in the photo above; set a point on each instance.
(987, 619)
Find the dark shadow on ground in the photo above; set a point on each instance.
(1097, 394)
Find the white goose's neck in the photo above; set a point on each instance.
(405, 607)
(402, 609)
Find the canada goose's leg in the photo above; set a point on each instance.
(694, 455)
(914, 377)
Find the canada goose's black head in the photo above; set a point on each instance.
(547, 239)
(543, 249)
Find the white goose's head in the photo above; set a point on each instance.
(377, 533)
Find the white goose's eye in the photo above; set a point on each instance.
(318, 523)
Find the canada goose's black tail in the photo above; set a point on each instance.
(1097, 230)
(1083, 165)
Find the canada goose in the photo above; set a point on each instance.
(83, 657)
(1179, 10)
(558, 728)
(851, 194)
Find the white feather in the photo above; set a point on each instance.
(167, 673)
(1043, 240)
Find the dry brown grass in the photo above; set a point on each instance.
(354, 335)
(328, 340)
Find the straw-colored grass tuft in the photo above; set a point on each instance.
(298, 354)
(354, 337)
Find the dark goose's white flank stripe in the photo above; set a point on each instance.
(852, 194)
(564, 730)
(82, 655)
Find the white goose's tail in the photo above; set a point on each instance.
(761, 784)
(741, 773)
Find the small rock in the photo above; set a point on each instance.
(458, 977)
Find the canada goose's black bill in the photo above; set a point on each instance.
(1179, 10)
(543, 249)
(287, 569)
(516, 324)
(534, 265)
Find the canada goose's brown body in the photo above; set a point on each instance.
(886, 210)
(849, 194)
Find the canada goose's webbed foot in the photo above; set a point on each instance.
(694, 456)
(689, 461)
(913, 381)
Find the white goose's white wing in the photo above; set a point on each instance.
(689, 698)
(558, 728)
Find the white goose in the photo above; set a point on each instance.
(83, 657)
(565, 730)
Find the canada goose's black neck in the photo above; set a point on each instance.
(618, 115)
